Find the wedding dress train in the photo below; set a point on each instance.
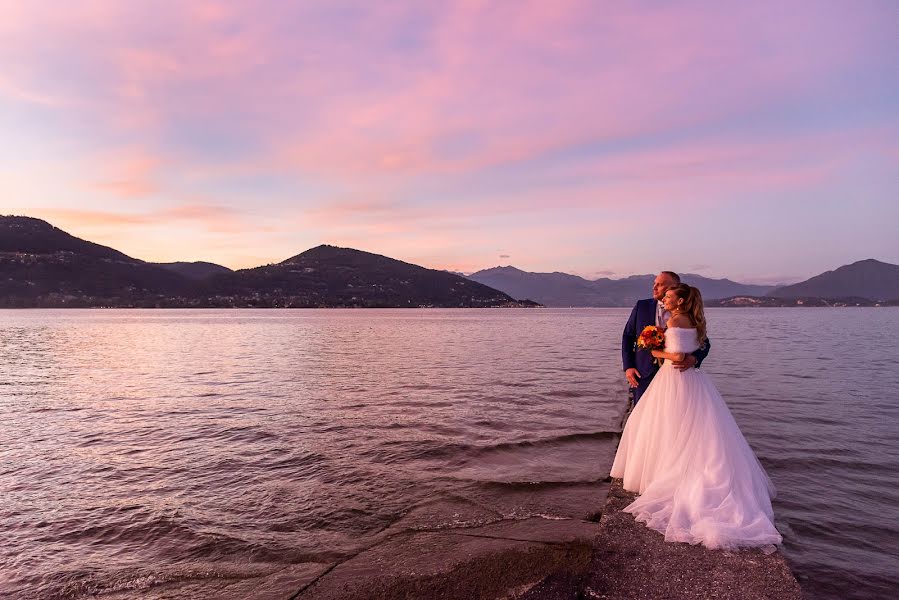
(682, 451)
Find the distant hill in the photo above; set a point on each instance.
(42, 266)
(723, 288)
(194, 270)
(562, 289)
(871, 279)
(34, 236)
(332, 276)
(802, 301)
(553, 289)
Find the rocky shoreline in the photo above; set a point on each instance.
(537, 559)
(633, 562)
(454, 548)
(611, 557)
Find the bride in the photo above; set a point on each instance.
(681, 450)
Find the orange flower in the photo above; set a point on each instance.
(651, 338)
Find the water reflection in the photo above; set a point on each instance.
(142, 448)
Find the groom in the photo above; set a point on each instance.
(639, 366)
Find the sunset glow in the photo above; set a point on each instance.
(758, 141)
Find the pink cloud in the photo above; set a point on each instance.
(76, 218)
(570, 73)
(11, 89)
(212, 218)
(678, 72)
(424, 122)
(696, 172)
(129, 174)
(517, 80)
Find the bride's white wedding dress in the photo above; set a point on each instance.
(681, 450)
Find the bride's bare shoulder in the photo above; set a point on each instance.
(680, 321)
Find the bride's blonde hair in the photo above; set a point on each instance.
(693, 308)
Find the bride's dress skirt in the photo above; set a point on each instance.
(698, 479)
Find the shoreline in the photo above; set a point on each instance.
(534, 559)
(539, 559)
(604, 553)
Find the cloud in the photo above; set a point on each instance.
(411, 127)
(209, 217)
(65, 218)
(431, 104)
(505, 256)
(11, 89)
(128, 174)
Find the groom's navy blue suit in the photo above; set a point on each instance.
(644, 314)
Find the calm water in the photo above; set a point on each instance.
(143, 451)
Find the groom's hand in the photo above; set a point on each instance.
(688, 363)
(632, 375)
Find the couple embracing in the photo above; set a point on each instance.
(681, 450)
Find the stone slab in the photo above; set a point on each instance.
(631, 562)
(490, 562)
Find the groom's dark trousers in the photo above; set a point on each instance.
(644, 314)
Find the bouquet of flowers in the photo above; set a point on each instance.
(651, 338)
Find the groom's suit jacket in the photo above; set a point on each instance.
(644, 314)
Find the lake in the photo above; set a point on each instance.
(151, 450)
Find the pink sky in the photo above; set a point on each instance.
(758, 141)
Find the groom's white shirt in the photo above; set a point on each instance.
(662, 315)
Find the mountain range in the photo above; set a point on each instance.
(864, 282)
(43, 266)
(872, 279)
(562, 289)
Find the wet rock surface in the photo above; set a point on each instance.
(480, 562)
(472, 547)
(550, 559)
(277, 586)
(631, 561)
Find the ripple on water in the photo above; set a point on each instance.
(147, 450)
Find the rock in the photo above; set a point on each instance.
(502, 559)
(631, 561)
